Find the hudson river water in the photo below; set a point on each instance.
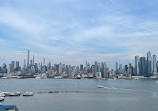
(120, 95)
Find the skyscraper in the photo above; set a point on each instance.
(149, 69)
(24, 64)
(12, 66)
(96, 67)
(81, 67)
(120, 69)
(33, 60)
(142, 66)
(17, 66)
(28, 57)
(154, 65)
(44, 62)
(116, 67)
(136, 65)
(60, 68)
(130, 68)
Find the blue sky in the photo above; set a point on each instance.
(72, 31)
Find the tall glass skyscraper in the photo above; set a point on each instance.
(142, 67)
(149, 68)
(136, 65)
(154, 65)
(28, 58)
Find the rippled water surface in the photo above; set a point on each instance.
(83, 95)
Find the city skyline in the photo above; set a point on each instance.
(141, 64)
(72, 32)
(144, 67)
(29, 57)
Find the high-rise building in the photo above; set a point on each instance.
(149, 68)
(157, 66)
(28, 58)
(116, 68)
(9, 69)
(24, 64)
(60, 68)
(12, 66)
(31, 63)
(126, 68)
(43, 61)
(120, 69)
(81, 67)
(130, 68)
(154, 65)
(142, 66)
(17, 66)
(33, 60)
(136, 65)
(96, 67)
(93, 69)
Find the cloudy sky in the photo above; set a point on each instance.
(73, 31)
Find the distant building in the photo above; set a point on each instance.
(130, 69)
(142, 66)
(136, 65)
(116, 68)
(81, 67)
(120, 69)
(149, 68)
(28, 58)
(154, 65)
(60, 68)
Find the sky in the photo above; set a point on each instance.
(73, 31)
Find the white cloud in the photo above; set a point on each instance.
(64, 35)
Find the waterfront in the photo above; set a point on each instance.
(121, 95)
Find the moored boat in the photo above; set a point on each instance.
(1, 99)
(5, 77)
(6, 93)
(28, 94)
(14, 94)
(2, 94)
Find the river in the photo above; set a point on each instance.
(83, 94)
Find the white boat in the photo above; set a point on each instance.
(1, 98)
(14, 94)
(2, 94)
(58, 77)
(6, 93)
(5, 77)
(28, 94)
(41, 76)
(99, 86)
(78, 77)
(38, 77)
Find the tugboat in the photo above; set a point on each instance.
(8, 108)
